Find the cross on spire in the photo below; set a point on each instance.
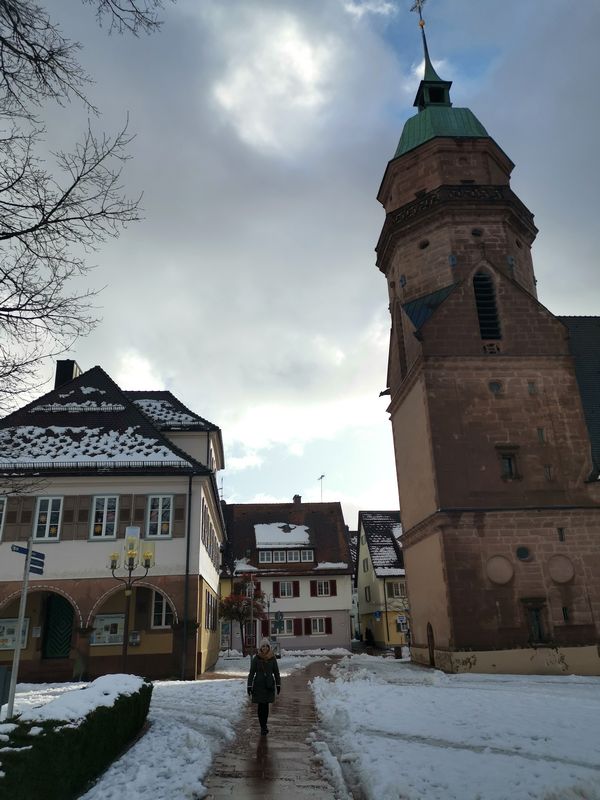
(418, 6)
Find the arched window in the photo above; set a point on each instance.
(487, 311)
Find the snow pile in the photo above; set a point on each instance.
(402, 731)
(281, 534)
(73, 706)
(190, 722)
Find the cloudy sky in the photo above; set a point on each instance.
(263, 130)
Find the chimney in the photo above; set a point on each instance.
(66, 370)
(297, 499)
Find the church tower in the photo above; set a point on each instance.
(494, 458)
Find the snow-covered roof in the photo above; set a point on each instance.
(383, 532)
(281, 534)
(87, 424)
(332, 565)
(30, 444)
(168, 412)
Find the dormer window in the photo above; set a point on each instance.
(308, 555)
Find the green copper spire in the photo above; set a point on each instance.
(433, 91)
(436, 117)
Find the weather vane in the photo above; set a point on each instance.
(418, 6)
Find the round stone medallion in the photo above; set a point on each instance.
(499, 569)
(561, 569)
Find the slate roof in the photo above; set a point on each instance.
(319, 526)
(168, 413)
(353, 544)
(383, 532)
(584, 345)
(422, 308)
(88, 425)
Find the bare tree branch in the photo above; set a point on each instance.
(51, 216)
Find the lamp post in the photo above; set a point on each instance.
(131, 561)
(269, 599)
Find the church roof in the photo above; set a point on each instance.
(88, 425)
(422, 308)
(584, 344)
(435, 121)
(383, 532)
(436, 117)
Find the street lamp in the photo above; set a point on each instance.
(133, 557)
(269, 598)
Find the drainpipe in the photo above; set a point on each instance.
(186, 585)
(387, 624)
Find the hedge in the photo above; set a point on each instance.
(65, 758)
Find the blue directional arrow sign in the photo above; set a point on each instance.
(23, 550)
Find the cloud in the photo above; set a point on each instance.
(239, 463)
(136, 372)
(358, 8)
(276, 80)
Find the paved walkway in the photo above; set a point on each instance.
(279, 765)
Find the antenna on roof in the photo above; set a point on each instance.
(321, 479)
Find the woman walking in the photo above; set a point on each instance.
(263, 680)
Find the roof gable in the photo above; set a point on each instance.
(87, 424)
(252, 527)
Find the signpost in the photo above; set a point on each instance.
(37, 559)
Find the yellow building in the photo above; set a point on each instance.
(382, 601)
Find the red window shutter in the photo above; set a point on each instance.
(297, 627)
(257, 586)
(275, 588)
(333, 588)
(296, 588)
(313, 588)
(264, 624)
(307, 627)
(327, 624)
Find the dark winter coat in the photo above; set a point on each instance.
(263, 679)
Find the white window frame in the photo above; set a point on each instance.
(3, 505)
(365, 564)
(307, 555)
(367, 594)
(399, 586)
(279, 556)
(293, 555)
(288, 629)
(315, 624)
(104, 536)
(106, 620)
(46, 537)
(161, 498)
(265, 557)
(166, 606)
(286, 584)
(321, 587)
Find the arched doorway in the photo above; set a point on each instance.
(57, 627)
(431, 645)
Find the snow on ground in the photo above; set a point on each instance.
(399, 732)
(393, 730)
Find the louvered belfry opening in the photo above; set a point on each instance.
(487, 311)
